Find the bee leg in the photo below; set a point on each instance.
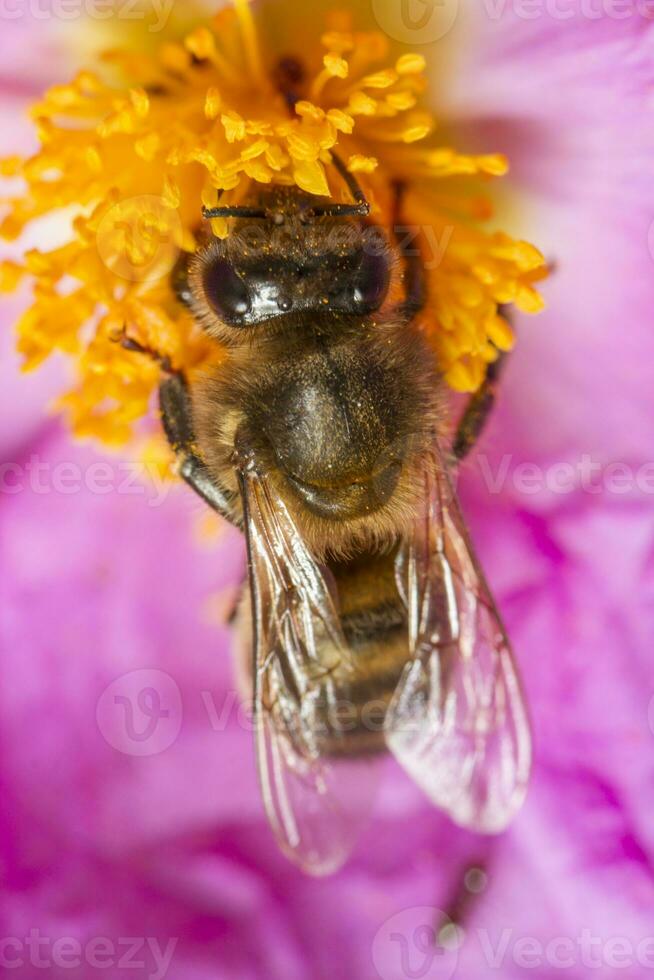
(361, 207)
(468, 890)
(238, 599)
(477, 411)
(177, 418)
(415, 281)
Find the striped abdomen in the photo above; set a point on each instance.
(375, 626)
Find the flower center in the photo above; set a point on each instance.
(136, 148)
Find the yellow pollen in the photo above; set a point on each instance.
(310, 111)
(250, 40)
(415, 133)
(411, 64)
(201, 43)
(212, 103)
(359, 164)
(234, 126)
(132, 151)
(339, 43)
(335, 66)
(382, 79)
(362, 104)
(342, 121)
(401, 101)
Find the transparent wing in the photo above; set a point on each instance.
(316, 798)
(457, 722)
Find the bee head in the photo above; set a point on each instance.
(291, 254)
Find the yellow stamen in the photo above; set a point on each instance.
(412, 134)
(401, 101)
(361, 104)
(342, 121)
(411, 64)
(381, 79)
(11, 275)
(212, 103)
(201, 43)
(359, 164)
(310, 111)
(338, 42)
(234, 126)
(195, 121)
(250, 41)
(335, 66)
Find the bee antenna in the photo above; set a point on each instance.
(360, 209)
(128, 343)
(235, 212)
(339, 211)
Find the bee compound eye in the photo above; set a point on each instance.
(226, 292)
(372, 281)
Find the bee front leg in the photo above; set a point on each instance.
(477, 411)
(177, 418)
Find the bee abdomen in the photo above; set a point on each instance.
(377, 637)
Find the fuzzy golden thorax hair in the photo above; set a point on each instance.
(340, 413)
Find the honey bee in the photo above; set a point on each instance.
(322, 436)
